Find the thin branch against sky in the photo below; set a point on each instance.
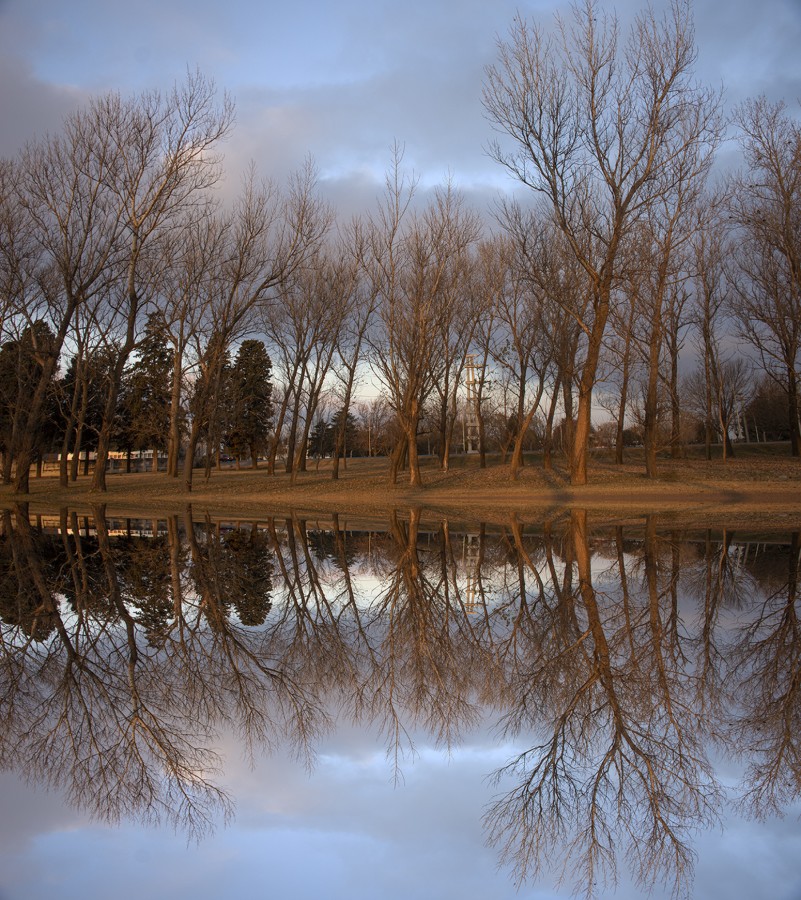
(338, 81)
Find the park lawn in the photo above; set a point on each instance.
(758, 487)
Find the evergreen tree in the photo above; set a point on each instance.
(210, 404)
(251, 410)
(322, 438)
(349, 436)
(143, 417)
(21, 363)
(89, 377)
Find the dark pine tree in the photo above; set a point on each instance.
(21, 363)
(143, 417)
(322, 439)
(89, 378)
(251, 411)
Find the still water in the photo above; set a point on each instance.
(404, 707)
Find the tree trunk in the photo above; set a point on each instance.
(339, 441)
(650, 417)
(517, 453)
(174, 437)
(581, 435)
(547, 446)
(107, 424)
(291, 441)
(621, 414)
(654, 353)
(567, 402)
(792, 403)
(414, 462)
(397, 459)
(443, 427)
(279, 425)
(482, 440)
(676, 449)
(189, 457)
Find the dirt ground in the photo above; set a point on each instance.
(763, 491)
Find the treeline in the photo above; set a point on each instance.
(139, 311)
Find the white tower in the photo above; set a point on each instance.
(471, 440)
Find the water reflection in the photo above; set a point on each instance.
(623, 660)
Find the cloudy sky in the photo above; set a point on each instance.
(338, 80)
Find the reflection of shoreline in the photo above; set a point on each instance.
(602, 528)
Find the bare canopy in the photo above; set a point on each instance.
(596, 125)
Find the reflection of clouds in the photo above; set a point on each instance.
(328, 853)
(29, 812)
(752, 862)
(346, 830)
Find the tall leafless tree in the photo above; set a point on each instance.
(594, 126)
(766, 208)
(164, 166)
(415, 260)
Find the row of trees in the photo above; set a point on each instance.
(117, 257)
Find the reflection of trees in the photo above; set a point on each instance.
(82, 713)
(617, 658)
(403, 657)
(143, 570)
(227, 668)
(621, 767)
(124, 727)
(238, 564)
(428, 661)
(768, 696)
(26, 598)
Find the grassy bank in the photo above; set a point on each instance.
(758, 485)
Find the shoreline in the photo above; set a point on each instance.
(760, 490)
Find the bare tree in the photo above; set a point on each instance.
(619, 358)
(711, 297)
(267, 239)
(594, 127)
(541, 320)
(414, 260)
(766, 208)
(460, 312)
(188, 259)
(75, 221)
(303, 326)
(164, 166)
(489, 279)
(360, 299)
(668, 229)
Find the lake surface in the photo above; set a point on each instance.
(405, 707)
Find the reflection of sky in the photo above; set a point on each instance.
(344, 831)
